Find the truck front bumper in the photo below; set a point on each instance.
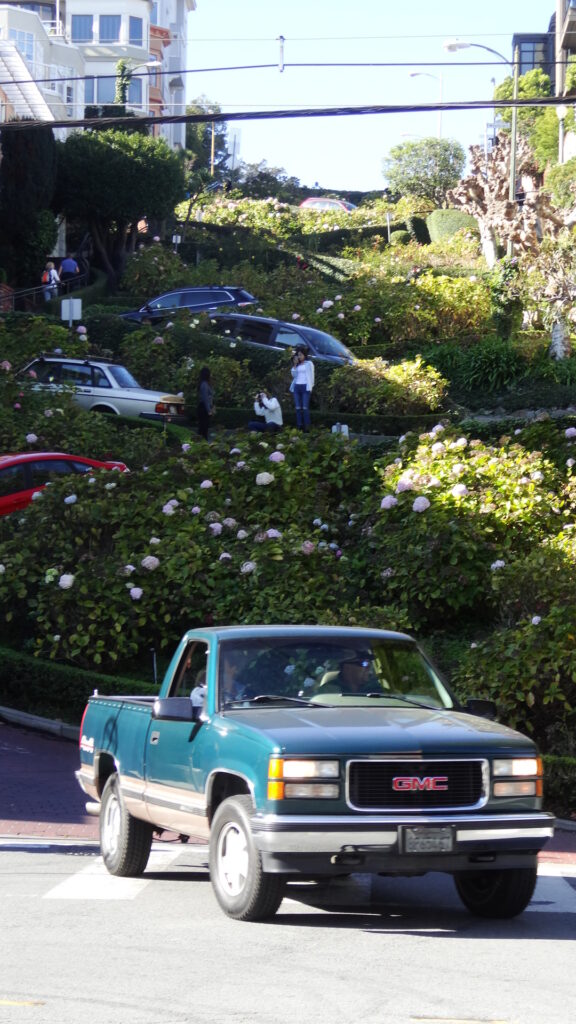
(301, 844)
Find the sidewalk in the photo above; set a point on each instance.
(40, 797)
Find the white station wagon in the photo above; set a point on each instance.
(101, 386)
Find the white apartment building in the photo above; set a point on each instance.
(80, 43)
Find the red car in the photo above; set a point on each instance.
(21, 476)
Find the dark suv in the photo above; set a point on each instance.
(282, 336)
(193, 299)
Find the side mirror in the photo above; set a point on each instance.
(173, 709)
(482, 708)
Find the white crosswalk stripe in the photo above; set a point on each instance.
(95, 883)
(554, 894)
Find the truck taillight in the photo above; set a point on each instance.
(82, 726)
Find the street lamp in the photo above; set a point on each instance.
(124, 74)
(561, 112)
(452, 45)
(428, 74)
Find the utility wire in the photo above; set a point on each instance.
(274, 66)
(270, 115)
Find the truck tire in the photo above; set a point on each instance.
(496, 894)
(125, 841)
(243, 890)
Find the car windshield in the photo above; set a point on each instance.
(340, 671)
(326, 344)
(122, 377)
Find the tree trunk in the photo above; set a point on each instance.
(488, 243)
(560, 340)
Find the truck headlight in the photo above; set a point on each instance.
(302, 778)
(517, 776)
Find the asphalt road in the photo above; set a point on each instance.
(78, 944)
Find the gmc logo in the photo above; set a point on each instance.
(411, 782)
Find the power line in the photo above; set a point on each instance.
(274, 66)
(267, 115)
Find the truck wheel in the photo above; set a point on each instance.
(496, 894)
(125, 842)
(243, 890)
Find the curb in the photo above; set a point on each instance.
(54, 726)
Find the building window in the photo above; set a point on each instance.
(110, 28)
(89, 90)
(106, 90)
(136, 31)
(154, 14)
(532, 55)
(135, 92)
(25, 44)
(81, 26)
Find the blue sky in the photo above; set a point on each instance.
(347, 153)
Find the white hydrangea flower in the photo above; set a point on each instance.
(420, 504)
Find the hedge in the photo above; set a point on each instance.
(52, 690)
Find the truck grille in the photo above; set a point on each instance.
(415, 785)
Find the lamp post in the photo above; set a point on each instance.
(561, 112)
(452, 45)
(428, 74)
(124, 73)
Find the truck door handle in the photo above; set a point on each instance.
(154, 737)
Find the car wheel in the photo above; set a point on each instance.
(496, 894)
(104, 409)
(125, 841)
(244, 891)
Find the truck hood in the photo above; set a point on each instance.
(377, 730)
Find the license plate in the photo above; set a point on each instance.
(424, 839)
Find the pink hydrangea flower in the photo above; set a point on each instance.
(308, 547)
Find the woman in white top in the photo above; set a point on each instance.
(301, 387)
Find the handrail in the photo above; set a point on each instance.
(28, 299)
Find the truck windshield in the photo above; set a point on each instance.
(327, 672)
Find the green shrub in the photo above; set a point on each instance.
(418, 230)
(50, 690)
(560, 785)
(400, 237)
(445, 223)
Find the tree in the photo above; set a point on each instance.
(258, 181)
(427, 168)
(485, 194)
(27, 181)
(207, 142)
(111, 180)
(538, 125)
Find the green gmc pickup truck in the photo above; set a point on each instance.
(315, 751)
